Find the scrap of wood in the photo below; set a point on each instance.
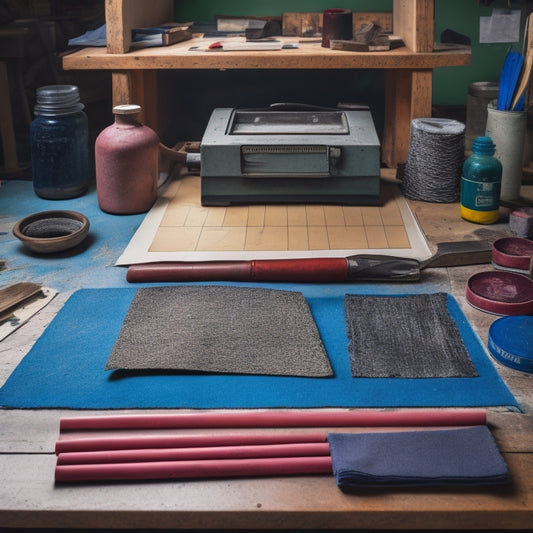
(369, 34)
(247, 17)
(310, 24)
(355, 46)
(19, 313)
(15, 294)
(302, 24)
(176, 33)
(381, 19)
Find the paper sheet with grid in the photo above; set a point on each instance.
(179, 228)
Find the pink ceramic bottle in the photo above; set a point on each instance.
(126, 164)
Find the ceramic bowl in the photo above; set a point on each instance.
(52, 231)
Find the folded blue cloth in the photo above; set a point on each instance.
(464, 456)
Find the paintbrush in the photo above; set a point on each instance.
(525, 74)
(509, 79)
(364, 267)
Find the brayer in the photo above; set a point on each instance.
(365, 267)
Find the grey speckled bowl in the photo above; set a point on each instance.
(52, 231)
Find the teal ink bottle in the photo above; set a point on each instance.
(481, 183)
(59, 143)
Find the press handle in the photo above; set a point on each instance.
(382, 268)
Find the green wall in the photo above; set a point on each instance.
(450, 85)
(207, 9)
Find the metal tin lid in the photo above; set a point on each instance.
(511, 342)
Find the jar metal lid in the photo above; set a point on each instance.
(58, 100)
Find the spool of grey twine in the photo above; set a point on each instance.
(435, 160)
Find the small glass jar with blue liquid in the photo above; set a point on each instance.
(481, 184)
(59, 143)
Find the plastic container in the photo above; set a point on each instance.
(480, 94)
(508, 131)
(59, 143)
(511, 342)
(126, 163)
(480, 184)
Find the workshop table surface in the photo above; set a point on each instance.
(30, 498)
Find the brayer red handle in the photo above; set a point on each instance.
(182, 271)
(315, 270)
(299, 270)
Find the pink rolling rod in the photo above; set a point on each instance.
(279, 419)
(252, 453)
(278, 466)
(302, 449)
(182, 441)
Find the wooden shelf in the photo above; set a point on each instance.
(307, 56)
(408, 70)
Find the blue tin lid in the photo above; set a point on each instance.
(511, 342)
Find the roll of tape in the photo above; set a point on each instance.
(336, 24)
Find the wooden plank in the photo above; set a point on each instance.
(421, 93)
(302, 24)
(306, 56)
(379, 18)
(16, 293)
(413, 21)
(294, 502)
(9, 145)
(310, 24)
(124, 15)
(137, 87)
(407, 96)
(118, 34)
(396, 131)
(122, 88)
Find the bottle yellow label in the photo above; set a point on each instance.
(480, 217)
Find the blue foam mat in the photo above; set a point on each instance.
(65, 369)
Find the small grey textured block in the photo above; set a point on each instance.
(410, 336)
(219, 329)
(521, 222)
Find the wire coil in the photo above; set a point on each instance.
(435, 159)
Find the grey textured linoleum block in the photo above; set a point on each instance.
(233, 330)
(406, 337)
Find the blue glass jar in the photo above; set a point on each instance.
(59, 143)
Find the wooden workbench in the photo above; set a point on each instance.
(29, 498)
(408, 70)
